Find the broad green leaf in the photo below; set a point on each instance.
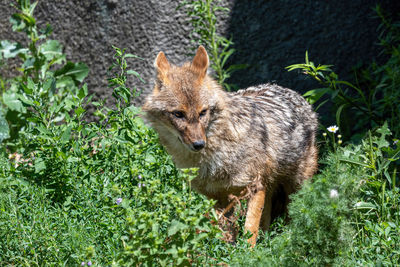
(43, 130)
(150, 158)
(364, 205)
(79, 111)
(11, 100)
(50, 85)
(136, 74)
(65, 81)
(355, 162)
(4, 129)
(175, 227)
(384, 131)
(226, 55)
(20, 21)
(78, 71)
(39, 165)
(315, 94)
(173, 251)
(51, 49)
(10, 50)
(131, 55)
(306, 58)
(66, 135)
(82, 92)
(338, 113)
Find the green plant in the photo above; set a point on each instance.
(373, 98)
(118, 82)
(377, 212)
(44, 73)
(71, 188)
(169, 230)
(203, 17)
(348, 214)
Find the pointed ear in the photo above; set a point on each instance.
(162, 65)
(200, 61)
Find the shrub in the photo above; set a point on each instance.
(46, 82)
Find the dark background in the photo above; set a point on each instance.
(270, 35)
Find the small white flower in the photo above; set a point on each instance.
(334, 193)
(333, 129)
(324, 134)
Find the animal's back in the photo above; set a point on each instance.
(265, 131)
(283, 115)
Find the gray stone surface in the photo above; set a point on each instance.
(268, 35)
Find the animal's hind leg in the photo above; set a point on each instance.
(267, 212)
(253, 216)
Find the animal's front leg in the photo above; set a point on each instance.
(253, 216)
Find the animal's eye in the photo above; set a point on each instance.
(203, 112)
(178, 114)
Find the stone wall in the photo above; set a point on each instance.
(268, 35)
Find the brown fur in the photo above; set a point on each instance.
(261, 138)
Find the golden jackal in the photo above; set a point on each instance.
(261, 139)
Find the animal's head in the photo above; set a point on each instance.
(183, 100)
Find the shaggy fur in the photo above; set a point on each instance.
(261, 138)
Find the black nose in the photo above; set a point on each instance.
(197, 145)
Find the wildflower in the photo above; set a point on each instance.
(324, 134)
(89, 263)
(139, 177)
(395, 142)
(139, 185)
(333, 129)
(339, 136)
(83, 263)
(334, 193)
(118, 201)
(340, 142)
